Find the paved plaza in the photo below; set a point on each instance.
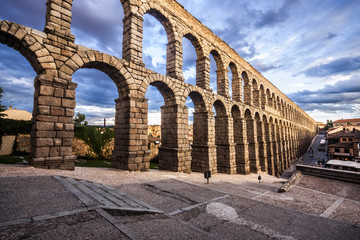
(91, 203)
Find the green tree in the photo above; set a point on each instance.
(96, 138)
(2, 107)
(79, 119)
(329, 124)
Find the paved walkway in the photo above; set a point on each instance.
(166, 205)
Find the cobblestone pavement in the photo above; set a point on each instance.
(93, 203)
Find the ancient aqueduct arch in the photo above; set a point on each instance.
(259, 129)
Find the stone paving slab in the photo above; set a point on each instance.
(25, 197)
(170, 195)
(330, 186)
(241, 218)
(85, 225)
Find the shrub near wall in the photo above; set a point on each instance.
(14, 127)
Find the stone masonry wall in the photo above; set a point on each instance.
(266, 132)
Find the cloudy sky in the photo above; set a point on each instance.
(309, 49)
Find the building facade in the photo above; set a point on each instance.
(344, 145)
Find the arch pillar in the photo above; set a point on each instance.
(203, 72)
(236, 89)
(132, 38)
(280, 149)
(248, 94)
(262, 146)
(174, 153)
(52, 123)
(222, 82)
(225, 146)
(131, 141)
(285, 148)
(275, 146)
(58, 19)
(253, 146)
(269, 149)
(203, 152)
(174, 60)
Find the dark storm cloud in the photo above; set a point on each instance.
(263, 67)
(274, 16)
(330, 36)
(327, 107)
(338, 66)
(25, 12)
(347, 92)
(104, 25)
(95, 88)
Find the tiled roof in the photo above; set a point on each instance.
(347, 120)
(18, 114)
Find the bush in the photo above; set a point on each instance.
(96, 138)
(13, 127)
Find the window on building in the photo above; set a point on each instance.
(337, 150)
(347, 151)
(350, 139)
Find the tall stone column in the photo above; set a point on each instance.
(203, 154)
(131, 141)
(52, 123)
(236, 89)
(132, 38)
(256, 98)
(58, 21)
(225, 147)
(253, 146)
(241, 148)
(248, 94)
(274, 133)
(222, 82)
(262, 146)
(285, 148)
(280, 148)
(174, 60)
(174, 153)
(269, 149)
(203, 72)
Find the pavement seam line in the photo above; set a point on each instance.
(82, 197)
(118, 224)
(264, 193)
(197, 205)
(332, 208)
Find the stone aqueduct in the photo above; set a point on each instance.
(257, 129)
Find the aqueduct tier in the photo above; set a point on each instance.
(257, 129)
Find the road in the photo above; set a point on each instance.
(313, 154)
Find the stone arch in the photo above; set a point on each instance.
(263, 98)
(225, 152)
(174, 46)
(241, 154)
(255, 93)
(251, 138)
(203, 150)
(235, 82)
(269, 99)
(247, 92)
(260, 142)
(201, 64)
(222, 80)
(113, 67)
(18, 38)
